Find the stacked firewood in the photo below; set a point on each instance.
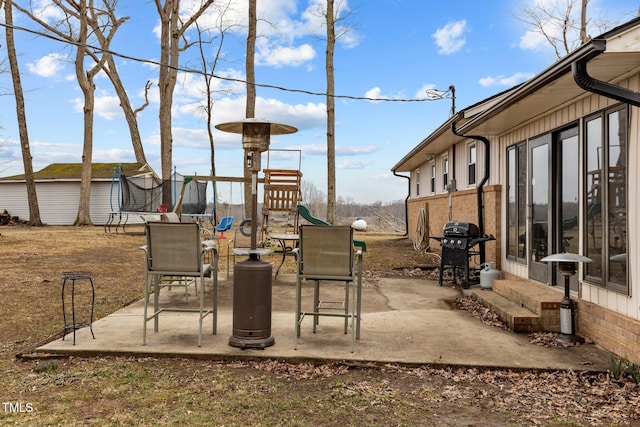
(7, 219)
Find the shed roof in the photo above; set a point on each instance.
(71, 171)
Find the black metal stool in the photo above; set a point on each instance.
(73, 276)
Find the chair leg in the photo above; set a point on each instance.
(214, 273)
(316, 304)
(347, 295)
(201, 310)
(156, 302)
(298, 311)
(147, 290)
(359, 301)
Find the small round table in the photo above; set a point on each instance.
(283, 238)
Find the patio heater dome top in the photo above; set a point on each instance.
(239, 126)
(565, 257)
(256, 133)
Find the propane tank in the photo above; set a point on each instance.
(488, 274)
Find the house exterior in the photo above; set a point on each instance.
(58, 192)
(550, 166)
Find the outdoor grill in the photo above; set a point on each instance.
(458, 246)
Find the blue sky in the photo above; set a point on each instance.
(396, 49)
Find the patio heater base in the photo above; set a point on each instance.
(252, 304)
(245, 343)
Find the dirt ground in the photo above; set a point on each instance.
(153, 391)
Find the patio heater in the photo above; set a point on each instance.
(567, 266)
(252, 277)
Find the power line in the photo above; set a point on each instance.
(433, 94)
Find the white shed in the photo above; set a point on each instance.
(58, 192)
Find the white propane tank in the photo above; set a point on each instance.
(488, 274)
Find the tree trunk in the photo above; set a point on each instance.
(250, 111)
(166, 84)
(331, 141)
(583, 22)
(34, 210)
(85, 80)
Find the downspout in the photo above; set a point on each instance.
(588, 83)
(406, 203)
(482, 182)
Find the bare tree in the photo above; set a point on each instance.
(250, 109)
(34, 210)
(172, 31)
(564, 24)
(313, 198)
(331, 114)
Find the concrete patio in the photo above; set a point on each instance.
(404, 320)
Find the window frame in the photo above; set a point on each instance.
(520, 185)
(600, 274)
(445, 172)
(432, 177)
(472, 156)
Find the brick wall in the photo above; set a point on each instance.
(464, 208)
(617, 333)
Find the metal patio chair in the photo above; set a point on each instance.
(176, 250)
(326, 253)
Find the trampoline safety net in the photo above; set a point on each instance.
(138, 195)
(141, 194)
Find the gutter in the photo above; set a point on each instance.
(406, 202)
(590, 84)
(481, 184)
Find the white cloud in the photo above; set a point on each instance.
(278, 56)
(450, 38)
(108, 107)
(427, 91)
(341, 150)
(375, 93)
(49, 65)
(353, 164)
(509, 81)
(533, 40)
(113, 155)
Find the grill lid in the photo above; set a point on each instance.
(461, 229)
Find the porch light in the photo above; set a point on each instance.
(252, 277)
(567, 266)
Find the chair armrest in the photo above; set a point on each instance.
(360, 244)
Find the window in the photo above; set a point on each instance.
(445, 172)
(516, 202)
(471, 164)
(605, 208)
(418, 182)
(432, 177)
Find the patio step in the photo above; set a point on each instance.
(524, 306)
